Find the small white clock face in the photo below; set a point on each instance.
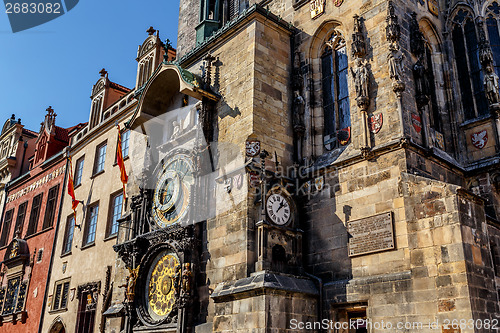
(278, 209)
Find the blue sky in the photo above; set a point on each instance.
(58, 62)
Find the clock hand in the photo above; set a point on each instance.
(282, 204)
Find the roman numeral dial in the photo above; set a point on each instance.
(278, 209)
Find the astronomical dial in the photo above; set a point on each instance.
(278, 209)
(171, 196)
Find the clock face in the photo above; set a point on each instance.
(160, 285)
(278, 209)
(171, 196)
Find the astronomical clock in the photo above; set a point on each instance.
(162, 259)
(172, 191)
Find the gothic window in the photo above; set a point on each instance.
(334, 68)
(470, 75)
(492, 24)
(434, 116)
(6, 227)
(50, 208)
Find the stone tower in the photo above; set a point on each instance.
(316, 162)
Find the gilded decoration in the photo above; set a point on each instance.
(161, 291)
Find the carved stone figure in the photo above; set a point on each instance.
(362, 83)
(358, 40)
(395, 60)
(392, 30)
(177, 130)
(298, 112)
(417, 42)
(421, 83)
(491, 85)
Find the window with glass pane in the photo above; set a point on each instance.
(79, 171)
(336, 105)
(21, 215)
(68, 234)
(116, 211)
(61, 292)
(125, 143)
(91, 224)
(470, 75)
(100, 158)
(50, 208)
(34, 214)
(435, 118)
(492, 23)
(6, 227)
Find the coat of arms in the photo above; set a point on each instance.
(319, 183)
(338, 3)
(252, 148)
(375, 123)
(479, 139)
(317, 7)
(416, 121)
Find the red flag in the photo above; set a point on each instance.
(119, 161)
(71, 189)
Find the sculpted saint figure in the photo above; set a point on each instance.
(361, 79)
(491, 85)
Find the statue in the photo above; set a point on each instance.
(395, 60)
(176, 131)
(130, 284)
(392, 30)
(421, 83)
(186, 278)
(362, 84)
(417, 42)
(358, 40)
(491, 85)
(298, 112)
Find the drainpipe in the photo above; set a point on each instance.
(320, 305)
(47, 285)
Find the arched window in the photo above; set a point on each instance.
(492, 23)
(470, 75)
(336, 107)
(435, 118)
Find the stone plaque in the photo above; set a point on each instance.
(371, 234)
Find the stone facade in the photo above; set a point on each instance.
(300, 163)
